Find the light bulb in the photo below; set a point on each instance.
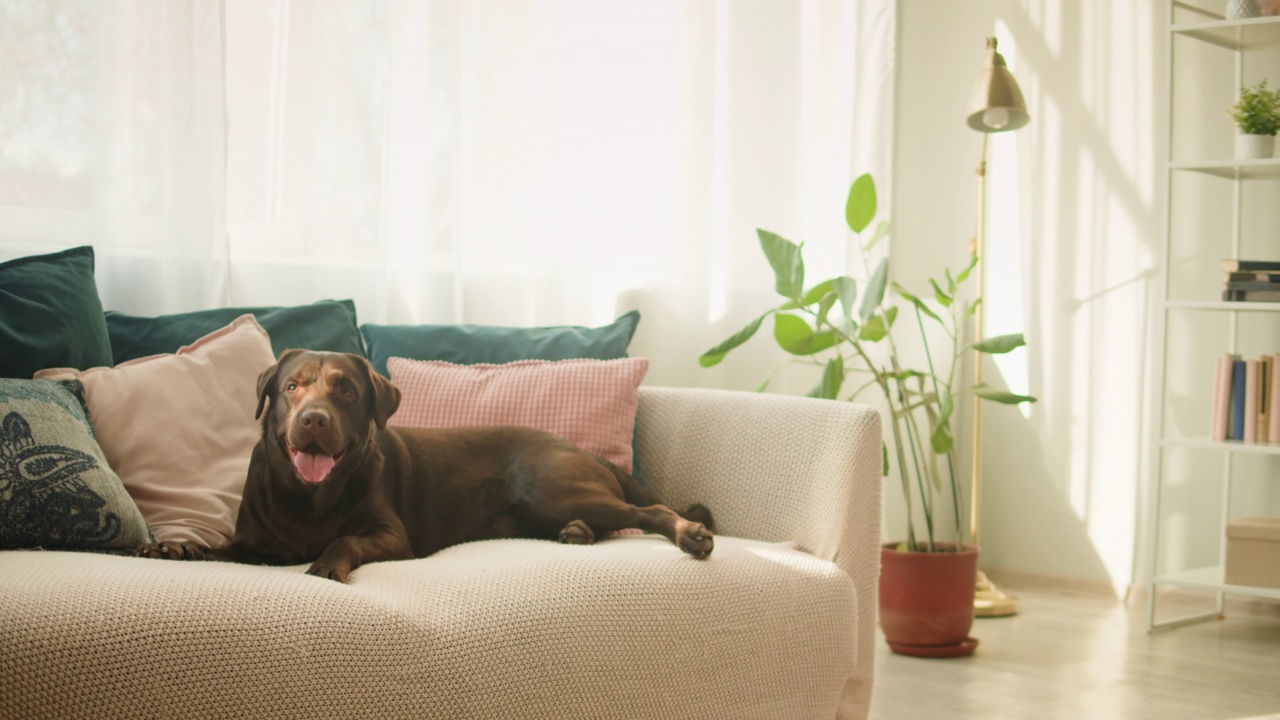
(996, 117)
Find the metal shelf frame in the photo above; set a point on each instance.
(1235, 36)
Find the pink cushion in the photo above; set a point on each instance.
(179, 429)
(589, 402)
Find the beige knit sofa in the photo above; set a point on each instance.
(778, 623)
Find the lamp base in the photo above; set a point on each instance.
(990, 601)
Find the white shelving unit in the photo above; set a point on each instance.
(1237, 37)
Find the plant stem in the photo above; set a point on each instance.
(933, 374)
(925, 499)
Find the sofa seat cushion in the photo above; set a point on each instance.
(627, 628)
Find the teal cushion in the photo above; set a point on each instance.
(472, 344)
(50, 315)
(56, 489)
(325, 325)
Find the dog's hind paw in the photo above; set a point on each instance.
(577, 532)
(695, 539)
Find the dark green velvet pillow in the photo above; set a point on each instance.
(58, 491)
(50, 315)
(325, 325)
(472, 344)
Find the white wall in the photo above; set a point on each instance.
(1073, 254)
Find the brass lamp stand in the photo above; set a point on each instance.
(995, 105)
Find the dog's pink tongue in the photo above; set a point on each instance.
(313, 468)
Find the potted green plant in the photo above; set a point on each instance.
(927, 580)
(1257, 115)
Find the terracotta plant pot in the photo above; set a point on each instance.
(926, 600)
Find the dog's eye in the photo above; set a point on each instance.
(291, 387)
(345, 391)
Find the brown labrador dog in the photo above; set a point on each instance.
(329, 483)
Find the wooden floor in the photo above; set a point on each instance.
(1084, 654)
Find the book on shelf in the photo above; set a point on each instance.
(1247, 285)
(1263, 423)
(1251, 295)
(1251, 369)
(1235, 418)
(1221, 397)
(1273, 401)
(1252, 277)
(1235, 265)
(1246, 394)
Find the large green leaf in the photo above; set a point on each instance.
(817, 292)
(847, 290)
(785, 259)
(717, 353)
(934, 476)
(943, 298)
(875, 290)
(827, 302)
(902, 292)
(1000, 344)
(796, 337)
(860, 208)
(873, 330)
(877, 327)
(882, 231)
(986, 392)
(941, 439)
(973, 262)
(828, 388)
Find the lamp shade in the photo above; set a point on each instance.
(996, 103)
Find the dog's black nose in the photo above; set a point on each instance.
(314, 419)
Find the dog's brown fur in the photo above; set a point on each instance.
(397, 493)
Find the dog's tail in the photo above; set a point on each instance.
(640, 496)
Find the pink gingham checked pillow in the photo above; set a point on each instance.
(589, 402)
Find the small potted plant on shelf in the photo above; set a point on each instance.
(1257, 115)
(927, 579)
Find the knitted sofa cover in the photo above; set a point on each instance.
(780, 625)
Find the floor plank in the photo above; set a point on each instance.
(1076, 654)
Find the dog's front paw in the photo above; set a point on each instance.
(329, 571)
(172, 550)
(695, 539)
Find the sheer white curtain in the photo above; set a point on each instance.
(516, 162)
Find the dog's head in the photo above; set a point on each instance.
(321, 408)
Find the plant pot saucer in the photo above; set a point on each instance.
(960, 649)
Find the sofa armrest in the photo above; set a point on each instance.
(777, 468)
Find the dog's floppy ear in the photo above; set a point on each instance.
(383, 397)
(267, 380)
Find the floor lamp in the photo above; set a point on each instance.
(995, 105)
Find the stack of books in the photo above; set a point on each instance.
(1251, 280)
(1244, 393)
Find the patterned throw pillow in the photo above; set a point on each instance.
(56, 489)
(589, 402)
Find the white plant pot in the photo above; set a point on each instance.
(1255, 147)
(1241, 9)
